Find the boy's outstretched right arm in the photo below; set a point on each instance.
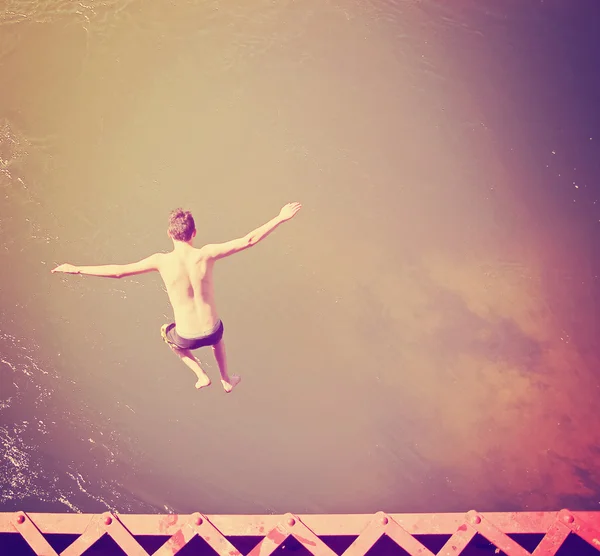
(221, 250)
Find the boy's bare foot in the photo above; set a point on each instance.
(203, 382)
(234, 380)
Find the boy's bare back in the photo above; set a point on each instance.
(187, 273)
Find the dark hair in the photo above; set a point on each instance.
(181, 225)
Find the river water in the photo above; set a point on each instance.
(423, 337)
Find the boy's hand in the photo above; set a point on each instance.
(289, 211)
(66, 268)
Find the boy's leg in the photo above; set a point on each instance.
(228, 382)
(188, 358)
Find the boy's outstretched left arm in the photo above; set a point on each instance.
(148, 264)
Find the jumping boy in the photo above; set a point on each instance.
(188, 276)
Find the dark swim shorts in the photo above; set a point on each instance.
(169, 335)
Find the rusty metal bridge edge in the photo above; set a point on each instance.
(216, 530)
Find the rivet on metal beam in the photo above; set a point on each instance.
(20, 519)
(198, 521)
(291, 521)
(107, 520)
(475, 518)
(384, 520)
(569, 518)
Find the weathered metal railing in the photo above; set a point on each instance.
(218, 531)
